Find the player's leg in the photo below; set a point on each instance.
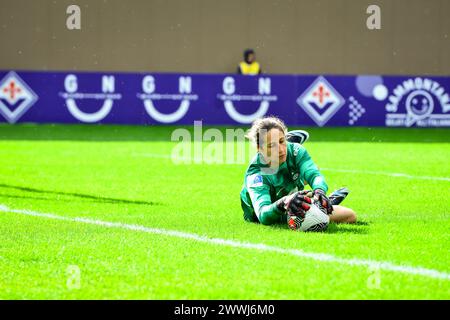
(337, 196)
(343, 214)
(297, 136)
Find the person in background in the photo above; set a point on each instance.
(249, 66)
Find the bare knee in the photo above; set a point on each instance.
(351, 218)
(343, 215)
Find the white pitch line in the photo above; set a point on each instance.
(153, 155)
(237, 244)
(383, 173)
(390, 174)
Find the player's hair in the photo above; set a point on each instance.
(264, 125)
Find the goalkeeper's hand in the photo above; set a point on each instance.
(295, 204)
(323, 200)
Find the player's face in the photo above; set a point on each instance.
(274, 148)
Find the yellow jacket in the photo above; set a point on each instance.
(249, 69)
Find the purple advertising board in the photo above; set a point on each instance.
(223, 99)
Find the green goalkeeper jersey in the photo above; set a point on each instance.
(262, 187)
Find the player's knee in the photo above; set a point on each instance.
(351, 216)
(343, 215)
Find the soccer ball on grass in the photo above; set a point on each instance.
(315, 219)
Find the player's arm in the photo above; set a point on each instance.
(259, 191)
(312, 175)
(309, 171)
(268, 212)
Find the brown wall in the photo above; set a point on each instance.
(289, 36)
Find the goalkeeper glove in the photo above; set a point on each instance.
(323, 200)
(295, 204)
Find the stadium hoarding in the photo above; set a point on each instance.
(223, 99)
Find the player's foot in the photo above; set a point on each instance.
(297, 136)
(336, 197)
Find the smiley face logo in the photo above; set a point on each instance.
(419, 105)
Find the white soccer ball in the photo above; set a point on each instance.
(315, 220)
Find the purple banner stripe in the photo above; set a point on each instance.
(223, 99)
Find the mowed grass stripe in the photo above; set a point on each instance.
(384, 265)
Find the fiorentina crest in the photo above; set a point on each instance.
(321, 101)
(16, 97)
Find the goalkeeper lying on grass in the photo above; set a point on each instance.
(275, 179)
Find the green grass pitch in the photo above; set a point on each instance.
(400, 187)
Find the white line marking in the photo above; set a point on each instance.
(384, 173)
(390, 174)
(237, 244)
(193, 160)
(153, 155)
